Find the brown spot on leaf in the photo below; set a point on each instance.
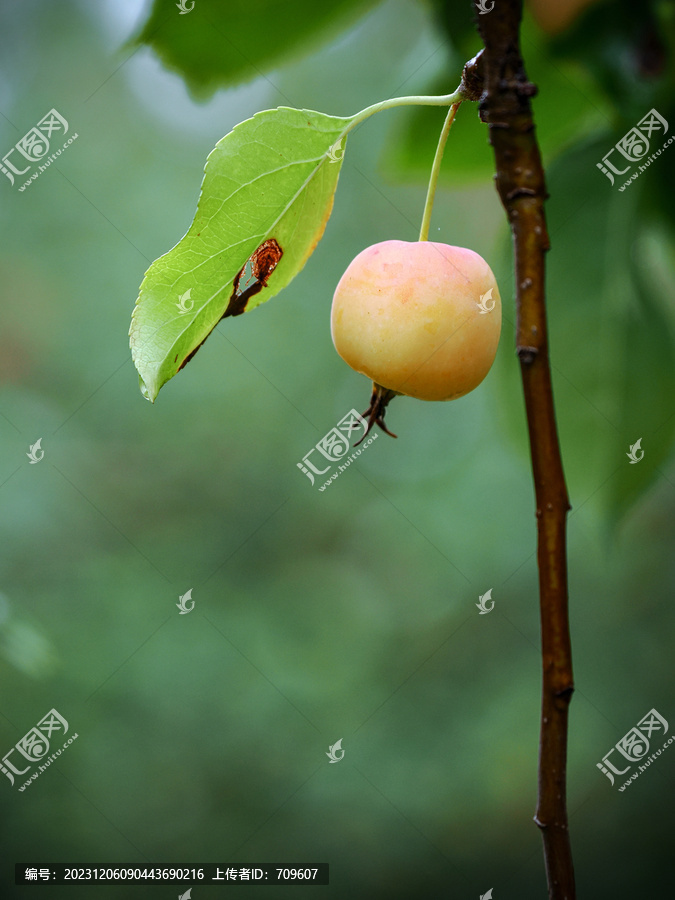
(253, 276)
(250, 280)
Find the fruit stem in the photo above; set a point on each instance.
(435, 169)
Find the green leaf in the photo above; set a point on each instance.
(647, 381)
(266, 197)
(223, 43)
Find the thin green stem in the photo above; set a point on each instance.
(435, 169)
(444, 100)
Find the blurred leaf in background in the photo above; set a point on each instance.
(226, 43)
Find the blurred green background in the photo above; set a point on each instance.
(349, 613)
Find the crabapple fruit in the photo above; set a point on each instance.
(421, 319)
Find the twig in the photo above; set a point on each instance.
(505, 107)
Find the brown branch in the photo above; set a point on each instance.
(505, 107)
